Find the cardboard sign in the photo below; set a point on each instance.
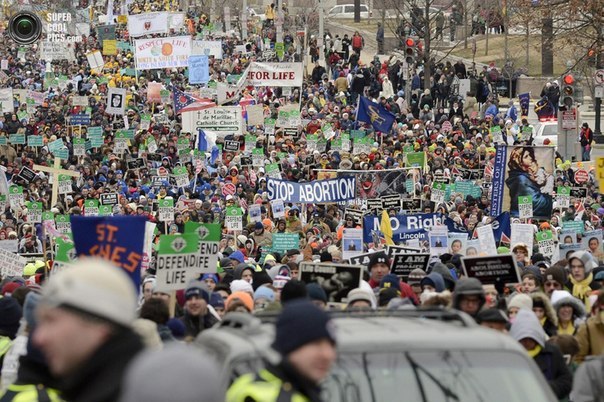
(403, 264)
(491, 270)
(336, 279)
(11, 264)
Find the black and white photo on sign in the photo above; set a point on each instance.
(115, 101)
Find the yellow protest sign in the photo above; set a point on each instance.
(122, 19)
(109, 47)
(600, 172)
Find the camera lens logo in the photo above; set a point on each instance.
(25, 28)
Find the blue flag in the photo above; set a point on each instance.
(377, 115)
(202, 141)
(118, 239)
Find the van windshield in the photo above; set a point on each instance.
(468, 376)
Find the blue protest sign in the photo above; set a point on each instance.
(404, 227)
(199, 72)
(315, 192)
(118, 239)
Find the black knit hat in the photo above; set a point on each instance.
(10, 314)
(300, 323)
(378, 258)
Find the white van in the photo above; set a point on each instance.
(346, 11)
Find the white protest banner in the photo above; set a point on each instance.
(275, 74)
(486, 239)
(79, 101)
(177, 261)
(147, 23)
(55, 51)
(255, 115)
(207, 48)
(522, 233)
(317, 192)
(95, 61)
(116, 101)
(352, 243)
(223, 119)
(11, 264)
(278, 208)
(6, 100)
(157, 53)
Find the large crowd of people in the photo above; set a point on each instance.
(83, 333)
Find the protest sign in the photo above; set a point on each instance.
(209, 238)
(278, 209)
(404, 227)
(438, 193)
(34, 212)
(255, 213)
(575, 226)
(275, 74)
(165, 210)
(487, 240)
(15, 197)
(592, 242)
(157, 53)
(199, 72)
(563, 196)
(545, 240)
(27, 174)
(352, 242)
(525, 207)
(391, 201)
(6, 100)
(565, 250)
(55, 51)
(283, 242)
(361, 259)
(65, 254)
(10, 245)
(233, 218)
(91, 207)
(177, 261)
(109, 198)
(522, 233)
(116, 101)
(491, 270)
(11, 264)
(354, 214)
(181, 175)
(117, 239)
(223, 120)
(65, 184)
(336, 279)
(231, 146)
(439, 240)
(403, 264)
(315, 192)
(207, 48)
(63, 224)
(147, 23)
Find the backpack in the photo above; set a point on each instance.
(357, 42)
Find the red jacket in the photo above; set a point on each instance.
(406, 290)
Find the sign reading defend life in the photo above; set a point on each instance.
(178, 261)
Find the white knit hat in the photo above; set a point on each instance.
(93, 286)
(522, 301)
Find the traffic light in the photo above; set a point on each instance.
(410, 50)
(567, 96)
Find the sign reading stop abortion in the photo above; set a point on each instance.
(316, 192)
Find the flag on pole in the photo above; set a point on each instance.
(377, 115)
(205, 141)
(386, 228)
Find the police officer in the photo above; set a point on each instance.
(306, 342)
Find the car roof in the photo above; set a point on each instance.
(366, 331)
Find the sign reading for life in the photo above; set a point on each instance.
(275, 74)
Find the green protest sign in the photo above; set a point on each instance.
(34, 212)
(63, 224)
(165, 210)
(285, 241)
(416, 159)
(177, 262)
(35, 141)
(209, 238)
(233, 219)
(91, 207)
(525, 206)
(17, 139)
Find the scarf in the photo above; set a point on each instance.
(534, 352)
(581, 289)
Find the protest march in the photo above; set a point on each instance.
(169, 176)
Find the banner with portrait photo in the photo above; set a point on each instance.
(523, 171)
(116, 101)
(592, 242)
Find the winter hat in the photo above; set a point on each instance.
(93, 286)
(561, 298)
(378, 258)
(10, 287)
(491, 315)
(10, 314)
(237, 255)
(387, 294)
(243, 297)
(293, 290)
(416, 276)
(239, 285)
(521, 301)
(586, 258)
(179, 367)
(301, 323)
(316, 292)
(390, 281)
(213, 277)
(216, 300)
(177, 327)
(435, 280)
(199, 289)
(527, 325)
(29, 308)
(361, 294)
(555, 274)
(280, 281)
(264, 292)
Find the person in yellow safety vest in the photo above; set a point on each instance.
(305, 339)
(10, 314)
(30, 393)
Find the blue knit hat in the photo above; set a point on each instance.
(264, 292)
(300, 323)
(197, 288)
